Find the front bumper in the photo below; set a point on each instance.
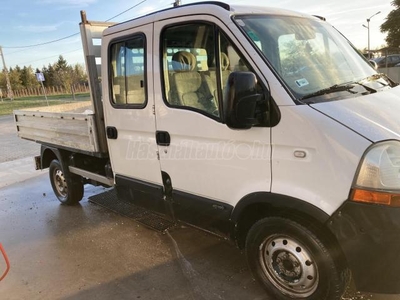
(370, 239)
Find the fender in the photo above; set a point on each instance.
(47, 154)
(278, 201)
(258, 205)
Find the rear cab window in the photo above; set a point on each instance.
(128, 74)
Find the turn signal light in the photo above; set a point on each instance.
(375, 197)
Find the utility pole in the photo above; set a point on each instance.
(369, 46)
(10, 93)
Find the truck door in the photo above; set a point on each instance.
(210, 166)
(130, 121)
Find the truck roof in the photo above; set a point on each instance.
(209, 7)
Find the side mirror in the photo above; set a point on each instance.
(373, 64)
(241, 100)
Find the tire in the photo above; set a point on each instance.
(292, 262)
(67, 187)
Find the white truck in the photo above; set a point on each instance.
(261, 125)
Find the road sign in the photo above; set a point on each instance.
(40, 77)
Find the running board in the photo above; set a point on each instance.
(91, 175)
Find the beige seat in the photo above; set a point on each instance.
(225, 71)
(136, 91)
(187, 86)
(183, 61)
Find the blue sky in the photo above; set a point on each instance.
(30, 22)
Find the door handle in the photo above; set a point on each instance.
(112, 132)
(163, 138)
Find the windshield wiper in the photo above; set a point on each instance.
(367, 88)
(377, 76)
(333, 89)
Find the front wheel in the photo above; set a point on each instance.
(67, 187)
(292, 262)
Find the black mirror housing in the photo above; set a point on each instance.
(241, 100)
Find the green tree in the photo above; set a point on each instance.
(78, 74)
(15, 78)
(62, 73)
(392, 25)
(49, 76)
(61, 64)
(3, 84)
(28, 78)
(59, 73)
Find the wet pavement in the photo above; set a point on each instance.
(89, 252)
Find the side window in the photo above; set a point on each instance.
(231, 60)
(127, 64)
(194, 76)
(187, 52)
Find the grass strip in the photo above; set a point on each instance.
(7, 106)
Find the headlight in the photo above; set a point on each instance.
(378, 178)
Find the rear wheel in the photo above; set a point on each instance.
(292, 262)
(67, 187)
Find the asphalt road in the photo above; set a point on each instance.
(88, 252)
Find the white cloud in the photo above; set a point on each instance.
(147, 9)
(36, 28)
(62, 4)
(41, 28)
(370, 8)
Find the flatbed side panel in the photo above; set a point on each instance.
(72, 130)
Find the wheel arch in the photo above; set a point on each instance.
(48, 153)
(259, 205)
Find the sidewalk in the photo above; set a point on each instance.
(16, 155)
(17, 171)
(11, 146)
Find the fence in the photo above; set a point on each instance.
(53, 90)
(393, 73)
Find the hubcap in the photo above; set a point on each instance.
(289, 266)
(60, 183)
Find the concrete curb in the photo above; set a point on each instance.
(17, 171)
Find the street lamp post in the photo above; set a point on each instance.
(369, 44)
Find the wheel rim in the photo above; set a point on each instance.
(289, 266)
(60, 183)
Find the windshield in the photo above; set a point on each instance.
(311, 57)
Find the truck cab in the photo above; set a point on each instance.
(263, 126)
